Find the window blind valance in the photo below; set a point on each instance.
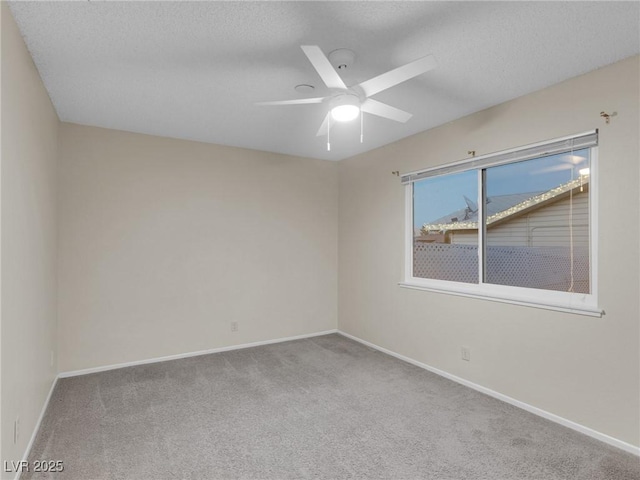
(552, 147)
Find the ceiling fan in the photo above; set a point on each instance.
(346, 103)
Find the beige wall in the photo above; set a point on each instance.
(163, 243)
(582, 368)
(29, 219)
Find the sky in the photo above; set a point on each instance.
(438, 196)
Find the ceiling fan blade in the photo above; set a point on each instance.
(299, 101)
(383, 110)
(323, 128)
(398, 75)
(323, 66)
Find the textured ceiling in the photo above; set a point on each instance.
(194, 70)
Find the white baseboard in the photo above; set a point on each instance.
(627, 447)
(37, 426)
(87, 371)
(525, 406)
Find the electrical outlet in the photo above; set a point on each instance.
(234, 326)
(466, 354)
(16, 430)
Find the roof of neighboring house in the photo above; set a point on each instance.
(501, 207)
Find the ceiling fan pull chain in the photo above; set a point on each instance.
(361, 127)
(328, 138)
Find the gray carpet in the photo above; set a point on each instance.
(323, 408)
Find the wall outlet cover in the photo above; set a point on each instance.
(466, 354)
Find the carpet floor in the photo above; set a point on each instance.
(320, 408)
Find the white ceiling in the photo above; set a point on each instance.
(195, 70)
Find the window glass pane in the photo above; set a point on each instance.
(537, 223)
(445, 221)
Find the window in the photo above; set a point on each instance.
(515, 226)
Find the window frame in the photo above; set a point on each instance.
(578, 303)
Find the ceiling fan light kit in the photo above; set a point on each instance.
(344, 113)
(345, 107)
(346, 103)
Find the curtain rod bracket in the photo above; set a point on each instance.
(472, 153)
(607, 116)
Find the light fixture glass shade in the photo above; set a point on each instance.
(344, 113)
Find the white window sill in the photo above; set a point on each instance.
(484, 292)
